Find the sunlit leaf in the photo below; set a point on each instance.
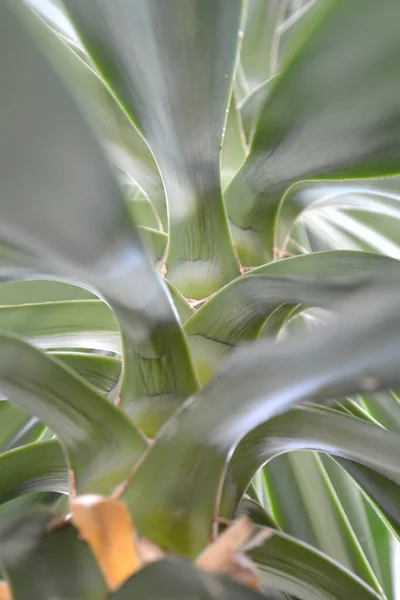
(174, 81)
(101, 445)
(102, 247)
(321, 119)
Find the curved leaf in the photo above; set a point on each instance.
(17, 427)
(381, 194)
(311, 428)
(72, 324)
(254, 386)
(36, 291)
(102, 372)
(307, 506)
(238, 311)
(180, 580)
(171, 69)
(259, 52)
(39, 467)
(101, 445)
(300, 570)
(48, 564)
(336, 129)
(383, 491)
(93, 239)
(123, 143)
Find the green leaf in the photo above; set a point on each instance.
(383, 491)
(102, 372)
(181, 304)
(259, 52)
(379, 195)
(101, 445)
(48, 564)
(123, 143)
(17, 427)
(71, 324)
(35, 291)
(155, 243)
(334, 112)
(16, 507)
(355, 508)
(256, 513)
(300, 570)
(171, 70)
(238, 312)
(93, 239)
(176, 579)
(306, 505)
(250, 108)
(311, 428)
(39, 467)
(234, 147)
(359, 351)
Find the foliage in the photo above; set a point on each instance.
(200, 308)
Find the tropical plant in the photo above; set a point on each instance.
(200, 312)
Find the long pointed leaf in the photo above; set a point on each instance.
(238, 311)
(92, 239)
(171, 69)
(334, 112)
(101, 445)
(299, 570)
(254, 386)
(40, 467)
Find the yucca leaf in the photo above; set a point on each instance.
(301, 571)
(48, 564)
(73, 324)
(336, 81)
(312, 428)
(250, 108)
(306, 506)
(17, 427)
(102, 372)
(180, 580)
(260, 47)
(40, 467)
(234, 147)
(36, 291)
(173, 80)
(155, 243)
(250, 507)
(101, 445)
(239, 310)
(123, 143)
(377, 195)
(102, 247)
(383, 491)
(255, 385)
(185, 311)
(384, 407)
(354, 506)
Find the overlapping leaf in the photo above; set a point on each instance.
(174, 80)
(254, 386)
(102, 247)
(332, 113)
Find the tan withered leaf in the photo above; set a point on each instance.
(148, 551)
(225, 555)
(106, 525)
(5, 592)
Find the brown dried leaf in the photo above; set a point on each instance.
(5, 592)
(106, 525)
(224, 556)
(148, 551)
